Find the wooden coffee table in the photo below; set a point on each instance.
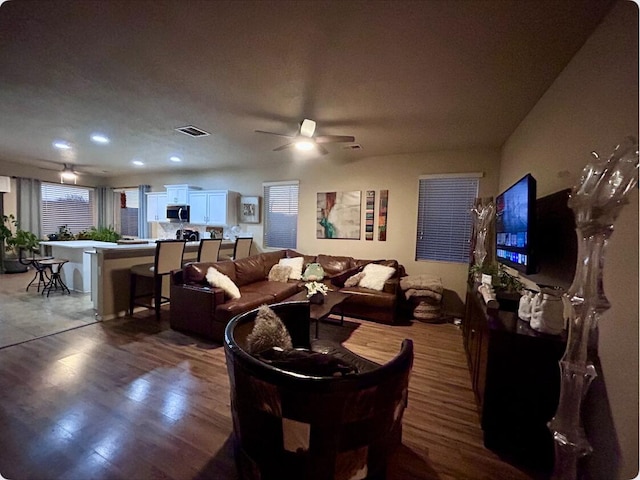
(322, 311)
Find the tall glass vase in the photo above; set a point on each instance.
(596, 202)
(482, 215)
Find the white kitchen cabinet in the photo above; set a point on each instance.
(179, 194)
(156, 207)
(213, 207)
(198, 208)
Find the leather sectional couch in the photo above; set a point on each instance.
(199, 308)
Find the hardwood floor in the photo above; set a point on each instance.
(131, 398)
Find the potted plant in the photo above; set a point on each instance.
(14, 244)
(501, 280)
(103, 234)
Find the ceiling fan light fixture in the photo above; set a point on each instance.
(307, 127)
(68, 174)
(304, 145)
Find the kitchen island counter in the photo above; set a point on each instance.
(110, 273)
(102, 268)
(76, 273)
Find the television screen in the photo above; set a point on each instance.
(515, 225)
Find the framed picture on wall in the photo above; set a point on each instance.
(249, 209)
(338, 215)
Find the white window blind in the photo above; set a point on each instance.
(132, 197)
(281, 214)
(444, 217)
(68, 205)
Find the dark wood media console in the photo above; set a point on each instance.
(516, 380)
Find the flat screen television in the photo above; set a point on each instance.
(515, 225)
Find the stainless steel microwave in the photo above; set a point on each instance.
(178, 213)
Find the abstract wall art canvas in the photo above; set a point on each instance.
(370, 206)
(382, 215)
(338, 215)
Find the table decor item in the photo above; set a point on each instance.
(596, 201)
(316, 292)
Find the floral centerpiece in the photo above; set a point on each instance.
(316, 291)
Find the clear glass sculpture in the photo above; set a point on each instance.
(482, 215)
(596, 202)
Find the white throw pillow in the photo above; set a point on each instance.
(220, 280)
(375, 276)
(296, 265)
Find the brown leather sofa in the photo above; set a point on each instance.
(199, 308)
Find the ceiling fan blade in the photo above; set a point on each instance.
(307, 127)
(334, 138)
(322, 150)
(283, 147)
(277, 134)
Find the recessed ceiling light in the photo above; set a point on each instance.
(175, 159)
(61, 145)
(138, 163)
(100, 138)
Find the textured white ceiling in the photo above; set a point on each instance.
(402, 77)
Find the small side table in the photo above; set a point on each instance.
(41, 271)
(55, 281)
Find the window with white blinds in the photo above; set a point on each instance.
(281, 214)
(68, 205)
(444, 217)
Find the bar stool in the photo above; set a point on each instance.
(168, 257)
(55, 281)
(209, 249)
(40, 270)
(242, 248)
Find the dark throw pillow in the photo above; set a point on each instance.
(306, 362)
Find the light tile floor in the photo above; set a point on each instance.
(28, 315)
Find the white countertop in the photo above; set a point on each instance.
(95, 245)
(79, 244)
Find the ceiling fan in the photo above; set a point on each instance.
(304, 139)
(68, 171)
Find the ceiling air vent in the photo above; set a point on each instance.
(355, 146)
(192, 131)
